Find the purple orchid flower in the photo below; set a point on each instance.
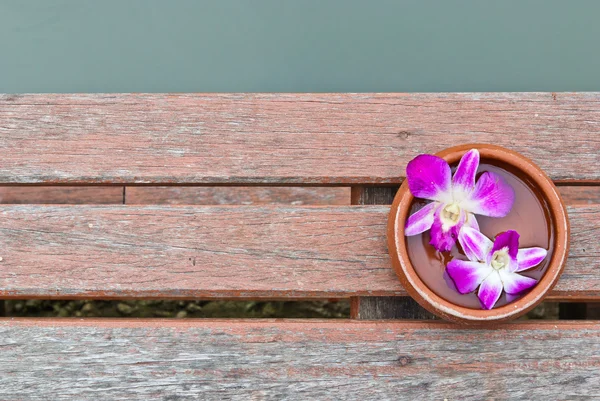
(456, 200)
(493, 266)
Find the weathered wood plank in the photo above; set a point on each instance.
(296, 360)
(580, 195)
(238, 195)
(373, 308)
(283, 138)
(226, 251)
(61, 195)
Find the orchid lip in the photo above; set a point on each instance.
(451, 213)
(499, 260)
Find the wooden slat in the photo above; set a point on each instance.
(237, 195)
(582, 195)
(226, 251)
(296, 360)
(375, 308)
(61, 195)
(283, 138)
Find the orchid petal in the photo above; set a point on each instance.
(474, 243)
(429, 178)
(471, 221)
(467, 275)
(443, 235)
(492, 196)
(530, 257)
(515, 283)
(490, 290)
(508, 240)
(421, 220)
(464, 176)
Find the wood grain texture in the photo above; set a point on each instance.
(61, 195)
(373, 195)
(375, 308)
(238, 195)
(283, 138)
(226, 251)
(382, 307)
(296, 360)
(580, 195)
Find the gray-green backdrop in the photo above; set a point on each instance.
(299, 45)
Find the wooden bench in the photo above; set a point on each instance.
(138, 163)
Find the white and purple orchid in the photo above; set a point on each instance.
(493, 266)
(456, 199)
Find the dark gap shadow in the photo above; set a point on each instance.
(178, 309)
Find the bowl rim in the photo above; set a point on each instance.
(440, 306)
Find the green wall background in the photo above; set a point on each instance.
(299, 45)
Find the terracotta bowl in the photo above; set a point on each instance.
(440, 306)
